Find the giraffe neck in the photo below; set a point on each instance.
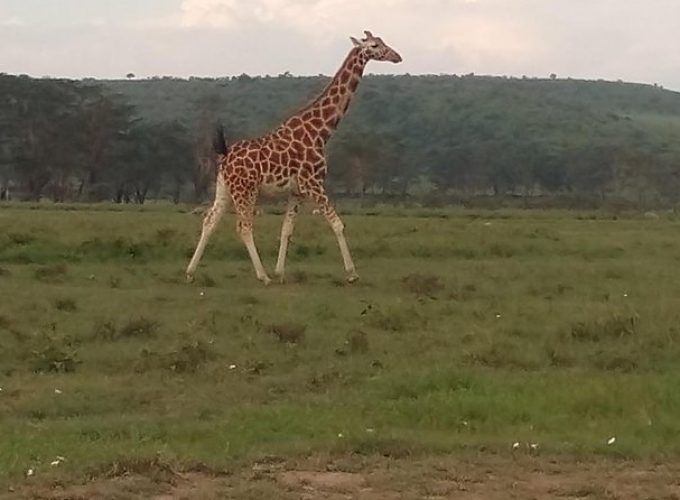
(331, 106)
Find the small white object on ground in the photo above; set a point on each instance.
(57, 391)
(515, 445)
(611, 441)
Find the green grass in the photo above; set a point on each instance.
(467, 331)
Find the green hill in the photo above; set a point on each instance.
(446, 135)
(469, 132)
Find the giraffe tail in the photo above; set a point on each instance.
(219, 143)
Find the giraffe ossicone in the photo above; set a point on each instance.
(291, 158)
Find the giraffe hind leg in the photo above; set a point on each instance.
(245, 207)
(210, 221)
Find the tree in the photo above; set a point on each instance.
(60, 133)
(150, 154)
(354, 160)
(106, 120)
(203, 172)
(44, 138)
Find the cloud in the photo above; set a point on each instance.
(209, 13)
(317, 18)
(12, 21)
(634, 40)
(466, 32)
(313, 17)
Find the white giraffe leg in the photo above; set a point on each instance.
(339, 230)
(286, 232)
(247, 237)
(315, 191)
(244, 203)
(210, 221)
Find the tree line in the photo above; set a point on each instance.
(430, 136)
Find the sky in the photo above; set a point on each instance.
(630, 40)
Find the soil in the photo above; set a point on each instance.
(383, 479)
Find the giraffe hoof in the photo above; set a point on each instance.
(190, 278)
(352, 278)
(266, 280)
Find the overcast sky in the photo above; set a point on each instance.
(633, 40)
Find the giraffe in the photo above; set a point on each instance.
(289, 159)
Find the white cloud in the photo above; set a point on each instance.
(310, 16)
(318, 18)
(465, 31)
(633, 39)
(12, 21)
(209, 13)
(480, 41)
(98, 21)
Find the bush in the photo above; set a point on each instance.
(422, 284)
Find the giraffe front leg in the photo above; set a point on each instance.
(339, 230)
(286, 233)
(212, 217)
(316, 192)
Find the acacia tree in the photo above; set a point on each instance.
(106, 121)
(174, 155)
(59, 135)
(149, 155)
(354, 160)
(46, 115)
(203, 171)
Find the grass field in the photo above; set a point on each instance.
(469, 332)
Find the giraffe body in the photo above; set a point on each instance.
(292, 159)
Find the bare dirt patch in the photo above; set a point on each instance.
(384, 479)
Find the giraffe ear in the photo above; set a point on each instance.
(356, 42)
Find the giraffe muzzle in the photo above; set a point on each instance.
(394, 57)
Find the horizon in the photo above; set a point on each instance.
(369, 74)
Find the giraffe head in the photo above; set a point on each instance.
(374, 48)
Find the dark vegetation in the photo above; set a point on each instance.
(430, 139)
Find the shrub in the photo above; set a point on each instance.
(139, 327)
(66, 305)
(55, 358)
(601, 329)
(289, 333)
(422, 284)
(51, 274)
(187, 358)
